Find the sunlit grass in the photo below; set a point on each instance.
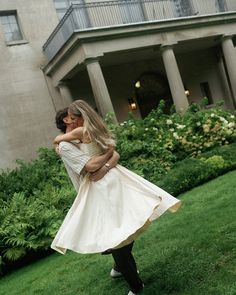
(192, 252)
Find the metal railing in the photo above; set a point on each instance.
(80, 17)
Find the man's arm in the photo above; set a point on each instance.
(73, 156)
(77, 160)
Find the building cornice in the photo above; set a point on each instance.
(88, 36)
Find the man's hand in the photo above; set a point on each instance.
(97, 175)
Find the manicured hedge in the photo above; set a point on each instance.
(192, 172)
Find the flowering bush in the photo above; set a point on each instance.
(151, 146)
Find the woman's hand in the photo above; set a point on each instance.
(57, 149)
(58, 139)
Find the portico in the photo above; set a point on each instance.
(103, 64)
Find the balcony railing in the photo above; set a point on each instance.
(80, 17)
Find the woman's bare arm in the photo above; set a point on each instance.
(77, 133)
(112, 162)
(97, 162)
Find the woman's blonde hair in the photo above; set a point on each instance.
(93, 125)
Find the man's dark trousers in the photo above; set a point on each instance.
(125, 263)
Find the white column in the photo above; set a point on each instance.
(230, 61)
(54, 93)
(174, 79)
(99, 87)
(225, 83)
(65, 94)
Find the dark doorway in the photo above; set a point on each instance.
(206, 92)
(150, 88)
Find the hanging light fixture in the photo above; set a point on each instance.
(138, 84)
(132, 104)
(186, 91)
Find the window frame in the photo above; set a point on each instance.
(68, 3)
(15, 14)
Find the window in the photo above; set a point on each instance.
(80, 18)
(10, 26)
(62, 6)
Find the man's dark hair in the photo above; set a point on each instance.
(61, 114)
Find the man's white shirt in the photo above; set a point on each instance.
(74, 160)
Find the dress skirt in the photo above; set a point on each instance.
(111, 212)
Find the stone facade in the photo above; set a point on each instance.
(26, 106)
(102, 64)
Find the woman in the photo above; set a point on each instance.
(113, 211)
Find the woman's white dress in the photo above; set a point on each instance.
(111, 212)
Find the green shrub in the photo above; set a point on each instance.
(31, 176)
(160, 140)
(196, 131)
(192, 172)
(34, 199)
(31, 224)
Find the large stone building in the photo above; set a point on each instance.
(114, 54)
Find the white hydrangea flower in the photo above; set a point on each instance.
(223, 120)
(229, 132)
(231, 124)
(169, 122)
(207, 144)
(206, 128)
(175, 134)
(180, 126)
(212, 115)
(198, 123)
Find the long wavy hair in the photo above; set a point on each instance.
(93, 124)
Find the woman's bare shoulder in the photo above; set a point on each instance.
(78, 130)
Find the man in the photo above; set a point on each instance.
(78, 164)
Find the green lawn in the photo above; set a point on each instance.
(192, 252)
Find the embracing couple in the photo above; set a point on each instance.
(113, 205)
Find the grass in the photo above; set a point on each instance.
(192, 252)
